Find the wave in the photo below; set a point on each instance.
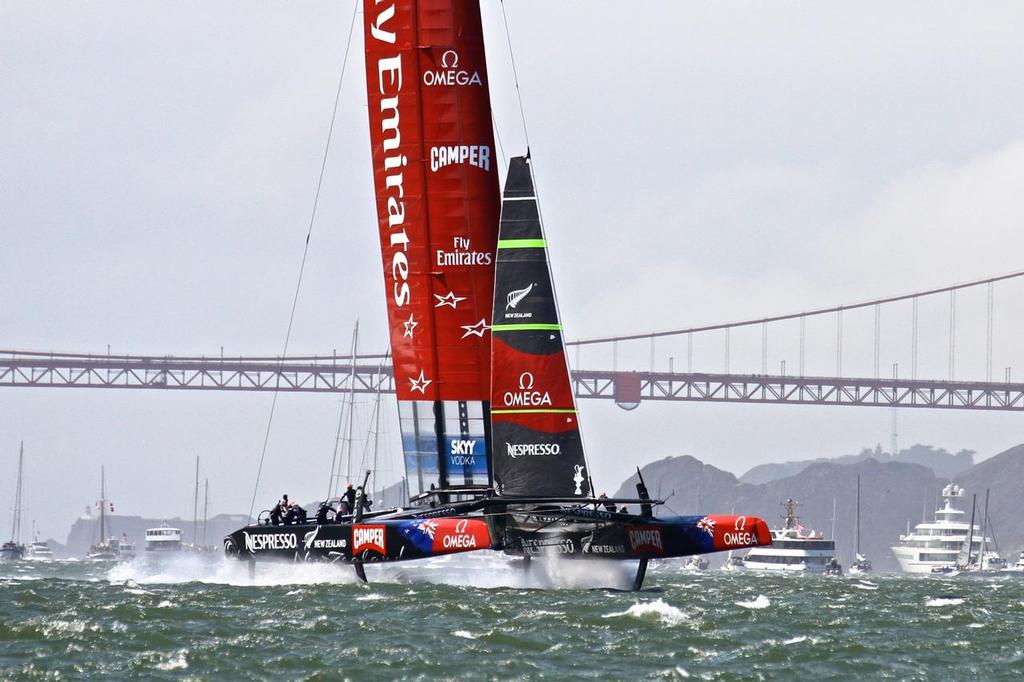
(652, 610)
(761, 602)
(944, 601)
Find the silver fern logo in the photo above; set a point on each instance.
(516, 297)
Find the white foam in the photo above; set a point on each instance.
(865, 586)
(175, 662)
(944, 601)
(761, 602)
(373, 596)
(795, 640)
(652, 610)
(486, 570)
(465, 634)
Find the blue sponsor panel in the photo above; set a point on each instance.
(466, 460)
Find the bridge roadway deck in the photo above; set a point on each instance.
(336, 375)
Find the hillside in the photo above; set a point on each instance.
(943, 463)
(892, 494)
(1003, 474)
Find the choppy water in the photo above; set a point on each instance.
(483, 618)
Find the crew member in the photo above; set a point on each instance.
(296, 514)
(321, 512)
(362, 500)
(280, 509)
(610, 506)
(350, 498)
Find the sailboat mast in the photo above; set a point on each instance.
(984, 531)
(103, 505)
(858, 516)
(700, 485)
(195, 507)
(206, 503)
(351, 399)
(376, 421)
(833, 535)
(16, 521)
(970, 533)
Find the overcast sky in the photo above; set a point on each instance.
(696, 162)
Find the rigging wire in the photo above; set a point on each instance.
(305, 251)
(515, 75)
(540, 217)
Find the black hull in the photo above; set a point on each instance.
(570, 532)
(372, 541)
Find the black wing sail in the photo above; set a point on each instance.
(538, 451)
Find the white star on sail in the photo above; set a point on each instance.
(410, 325)
(449, 299)
(420, 384)
(477, 329)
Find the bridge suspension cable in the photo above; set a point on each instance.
(952, 289)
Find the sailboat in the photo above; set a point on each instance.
(987, 560)
(13, 550)
(861, 564)
(112, 548)
(491, 439)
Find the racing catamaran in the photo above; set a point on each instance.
(490, 433)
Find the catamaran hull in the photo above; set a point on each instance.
(379, 540)
(621, 536)
(608, 536)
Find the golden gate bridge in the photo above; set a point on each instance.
(631, 381)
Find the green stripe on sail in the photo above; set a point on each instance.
(521, 244)
(533, 411)
(527, 327)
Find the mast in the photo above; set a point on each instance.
(857, 524)
(984, 532)
(195, 508)
(351, 399)
(970, 532)
(16, 521)
(376, 421)
(206, 503)
(700, 485)
(833, 534)
(103, 505)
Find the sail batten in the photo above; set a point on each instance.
(538, 450)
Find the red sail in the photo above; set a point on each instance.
(436, 180)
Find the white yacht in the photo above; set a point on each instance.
(1017, 568)
(794, 549)
(38, 550)
(163, 539)
(936, 547)
(125, 549)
